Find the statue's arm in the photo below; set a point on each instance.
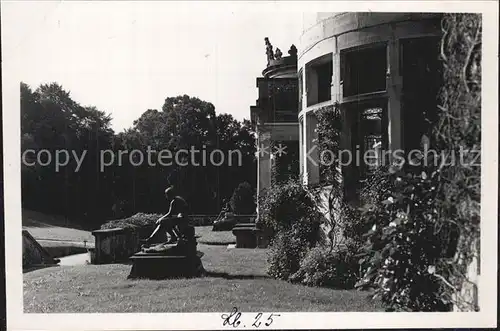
(169, 214)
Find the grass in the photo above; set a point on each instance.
(236, 277)
(54, 228)
(210, 237)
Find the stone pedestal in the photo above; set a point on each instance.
(179, 260)
(161, 266)
(246, 235)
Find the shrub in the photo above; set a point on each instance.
(324, 267)
(285, 254)
(289, 204)
(356, 226)
(137, 220)
(242, 201)
(402, 247)
(289, 211)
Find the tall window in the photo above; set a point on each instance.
(421, 73)
(363, 70)
(363, 75)
(286, 164)
(319, 79)
(368, 135)
(324, 75)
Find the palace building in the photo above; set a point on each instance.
(380, 68)
(383, 71)
(275, 117)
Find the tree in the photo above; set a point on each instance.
(52, 120)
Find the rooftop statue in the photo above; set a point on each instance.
(278, 54)
(269, 51)
(293, 51)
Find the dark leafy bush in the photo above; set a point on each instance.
(289, 211)
(403, 246)
(323, 267)
(289, 204)
(137, 220)
(286, 252)
(242, 201)
(355, 226)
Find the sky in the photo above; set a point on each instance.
(127, 57)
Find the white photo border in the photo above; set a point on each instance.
(486, 317)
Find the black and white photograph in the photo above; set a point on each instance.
(250, 164)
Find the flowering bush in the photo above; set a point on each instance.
(402, 246)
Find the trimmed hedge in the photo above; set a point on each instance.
(143, 219)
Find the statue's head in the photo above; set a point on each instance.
(169, 193)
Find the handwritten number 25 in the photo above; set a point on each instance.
(269, 320)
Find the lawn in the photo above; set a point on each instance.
(236, 277)
(209, 237)
(54, 228)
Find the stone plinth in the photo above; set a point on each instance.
(161, 266)
(246, 235)
(163, 260)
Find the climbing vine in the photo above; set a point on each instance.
(457, 136)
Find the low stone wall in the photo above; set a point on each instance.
(245, 218)
(117, 245)
(202, 220)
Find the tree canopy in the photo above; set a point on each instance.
(53, 121)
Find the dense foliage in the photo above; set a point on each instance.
(289, 211)
(403, 248)
(323, 267)
(458, 129)
(53, 121)
(137, 220)
(242, 201)
(285, 254)
(289, 205)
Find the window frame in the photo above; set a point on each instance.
(344, 53)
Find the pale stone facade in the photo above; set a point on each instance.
(275, 114)
(332, 38)
(405, 47)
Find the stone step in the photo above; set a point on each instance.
(244, 225)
